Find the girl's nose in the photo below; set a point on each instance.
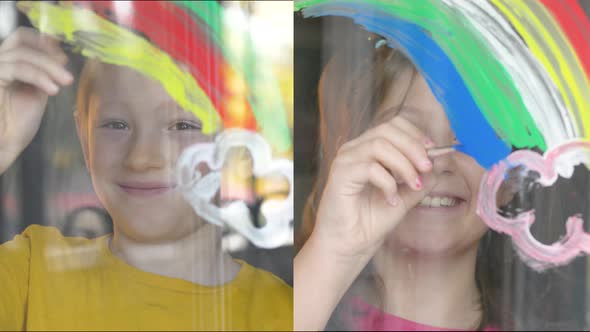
(438, 128)
(442, 134)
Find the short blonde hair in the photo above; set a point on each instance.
(86, 85)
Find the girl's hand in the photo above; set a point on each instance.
(31, 69)
(374, 181)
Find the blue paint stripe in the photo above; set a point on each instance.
(476, 135)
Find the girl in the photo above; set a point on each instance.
(163, 267)
(390, 237)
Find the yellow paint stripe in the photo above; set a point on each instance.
(113, 44)
(551, 47)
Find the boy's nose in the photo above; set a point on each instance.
(145, 152)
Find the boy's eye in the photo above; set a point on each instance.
(185, 125)
(119, 125)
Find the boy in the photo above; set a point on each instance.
(163, 267)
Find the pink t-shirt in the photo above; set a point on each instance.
(366, 317)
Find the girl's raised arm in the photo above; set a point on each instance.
(374, 181)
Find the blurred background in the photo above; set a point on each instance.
(49, 183)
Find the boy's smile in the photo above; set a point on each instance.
(146, 188)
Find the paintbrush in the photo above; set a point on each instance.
(441, 150)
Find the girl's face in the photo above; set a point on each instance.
(445, 222)
(132, 138)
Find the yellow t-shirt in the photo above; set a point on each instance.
(51, 282)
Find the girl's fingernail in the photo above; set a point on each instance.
(393, 200)
(427, 163)
(418, 183)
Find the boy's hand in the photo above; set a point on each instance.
(31, 69)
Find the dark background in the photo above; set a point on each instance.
(555, 299)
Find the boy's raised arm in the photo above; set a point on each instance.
(31, 69)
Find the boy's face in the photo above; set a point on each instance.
(132, 138)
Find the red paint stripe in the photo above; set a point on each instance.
(575, 25)
(177, 33)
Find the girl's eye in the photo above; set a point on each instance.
(118, 125)
(184, 125)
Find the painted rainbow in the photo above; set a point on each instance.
(182, 45)
(509, 74)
